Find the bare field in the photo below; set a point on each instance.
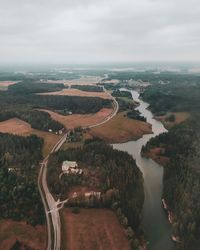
(179, 117)
(93, 229)
(4, 85)
(15, 126)
(34, 237)
(121, 129)
(77, 92)
(73, 121)
(19, 127)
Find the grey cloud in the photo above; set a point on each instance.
(67, 31)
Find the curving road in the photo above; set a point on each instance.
(52, 206)
(108, 118)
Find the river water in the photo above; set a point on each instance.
(155, 224)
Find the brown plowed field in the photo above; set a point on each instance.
(121, 129)
(93, 229)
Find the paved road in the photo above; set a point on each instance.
(115, 110)
(52, 206)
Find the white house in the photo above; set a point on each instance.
(71, 167)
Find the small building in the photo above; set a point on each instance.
(93, 194)
(71, 167)
(11, 170)
(87, 195)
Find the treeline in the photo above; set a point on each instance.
(162, 77)
(37, 74)
(173, 97)
(116, 170)
(75, 104)
(182, 179)
(136, 115)
(20, 198)
(89, 88)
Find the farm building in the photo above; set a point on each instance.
(71, 167)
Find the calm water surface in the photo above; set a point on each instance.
(156, 226)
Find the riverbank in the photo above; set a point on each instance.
(157, 229)
(174, 118)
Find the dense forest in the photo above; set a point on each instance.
(167, 91)
(174, 95)
(182, 179)
(116, 170)
(20, 198)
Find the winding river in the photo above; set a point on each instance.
(156, 226)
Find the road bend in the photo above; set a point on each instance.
(51, 206)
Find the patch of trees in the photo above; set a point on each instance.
(112, 86)
(20, 198)
(30, 86)
(125, 105)
(118, 93)
(89, 88)
(182, 179)
(135, 114)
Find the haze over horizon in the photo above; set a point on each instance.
(91, 31)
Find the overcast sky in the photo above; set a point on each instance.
(87, 31)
